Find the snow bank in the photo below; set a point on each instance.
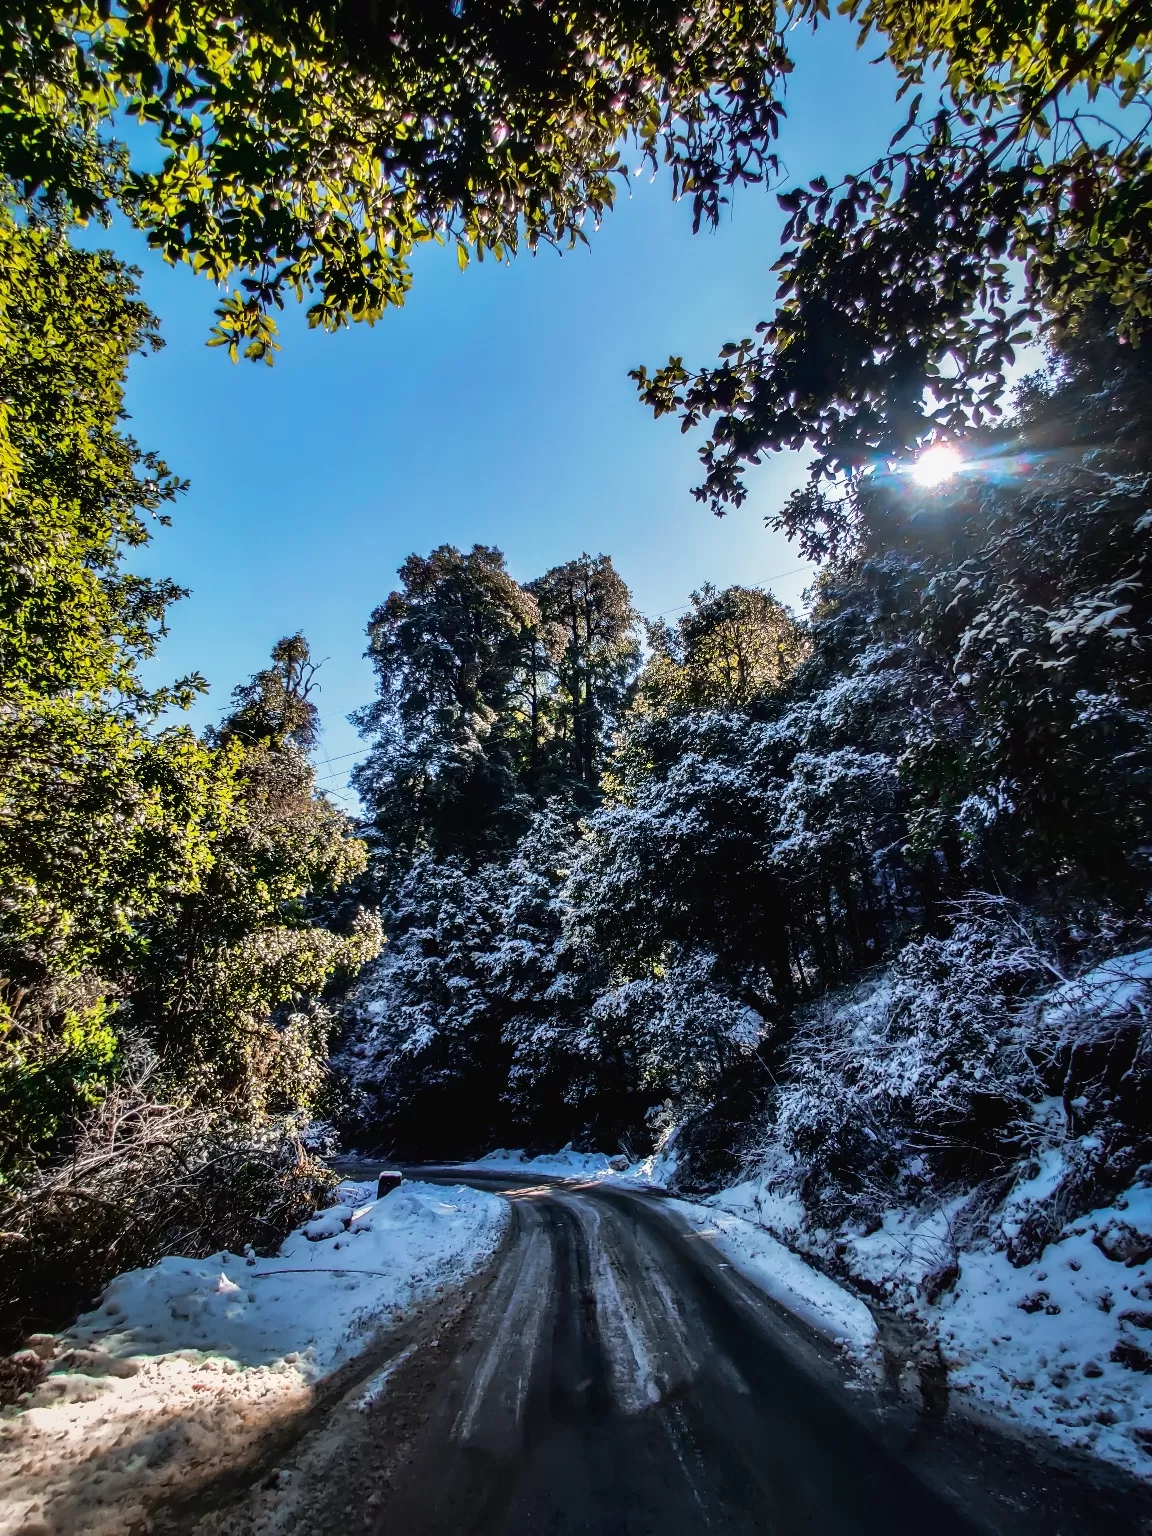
(563, 1164)
(185, 1367)
(1063, 1345)
(831, 1310)
(328, 1287)
(653, 1172)
(1040, 1313)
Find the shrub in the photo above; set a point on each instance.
(146, 1178)
(922, 1077)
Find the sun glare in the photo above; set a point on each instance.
(935, 465)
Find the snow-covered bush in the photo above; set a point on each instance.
(686, 1024)
(1091, 1039)
(918, 1078)
(147, 1177)
(1098, 1030)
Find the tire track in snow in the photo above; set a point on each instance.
(641, 1326)
(492, 1414)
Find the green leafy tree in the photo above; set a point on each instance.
(76, 492)
(161, 963)
(100, 819)
(308, 148)
(275, 708)
(227, 988)
(1024, 197)
(730, 649)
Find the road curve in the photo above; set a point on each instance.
(611, 1375)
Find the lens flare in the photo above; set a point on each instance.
(935, 465)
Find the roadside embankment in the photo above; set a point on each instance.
(187, 1368)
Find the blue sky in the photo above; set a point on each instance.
(495, 407)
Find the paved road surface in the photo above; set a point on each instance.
(610, 1375)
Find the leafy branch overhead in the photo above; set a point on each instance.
(904, 292)
(308, 148)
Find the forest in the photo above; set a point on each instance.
(748, 883)
(629, 872)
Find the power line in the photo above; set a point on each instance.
(354, 753)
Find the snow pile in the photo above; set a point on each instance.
(652, 1172)
(332, 1281)
(563, 1164)
(784, 1276)
(1063, 1344)
(185, 1367)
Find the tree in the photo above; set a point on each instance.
(480, 1020)
(1032, 750)
(228, 981)
(100, 819)
(162, 1031)
(730, 649)
(76, 493)
(310, 147)
(448, 649)
(275, 708)
(587, 602)
(903, 292)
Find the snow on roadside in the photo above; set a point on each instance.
(563, 1164)
(832, 1311)
(185, 1366)
(653, 1172)
(1063, 1345)
(329, 1286)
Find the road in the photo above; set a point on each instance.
(611, 1375)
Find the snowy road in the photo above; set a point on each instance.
(610, 1374)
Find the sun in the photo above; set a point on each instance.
(935, 465)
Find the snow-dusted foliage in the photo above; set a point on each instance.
(770, 843)
(918, 1078)
(782, 858)
(970, 1145)
(490, 1012)
(475, 1014)
(421, 1021)
(932, 1076)
(686, 1026)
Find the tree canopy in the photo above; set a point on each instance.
(729, 649)
(1022, 197)
(586, 606)
(275, 707)
(493, 697)
(306, 149)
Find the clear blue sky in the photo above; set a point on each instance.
(494, 408)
